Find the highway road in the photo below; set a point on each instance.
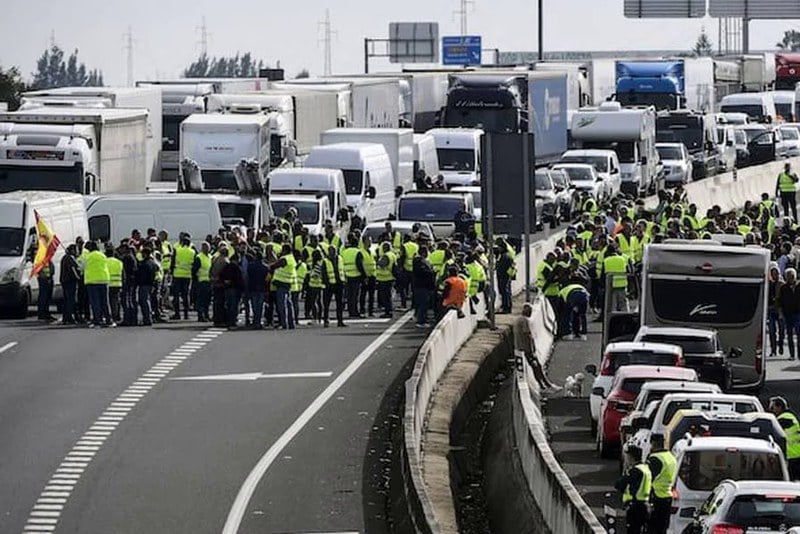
(186, 428)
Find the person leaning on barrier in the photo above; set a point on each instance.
(526, 347)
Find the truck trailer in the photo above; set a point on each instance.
(697, 131)
(74, 149)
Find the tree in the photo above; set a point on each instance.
(11, 87)
(790, 41)
(52, 71)
(703, 46)
(243, 66)
(302, 74)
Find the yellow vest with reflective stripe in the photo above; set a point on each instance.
(204, 273)
(662, 484)
(617, 265)
(166, 255)
(96, 268)
(316, 279)
(624, 245)
(114, 272)
(786, 183)
(288, 273)
(350, 258)
(368, 260)
(386, 274)
(184, 259)
(411, 250)
(476, 275)
(792, 435)
(642, 493)
(302, 271)
(437, 258)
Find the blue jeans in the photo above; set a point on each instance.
(96, 293)
(69, 289)
(504, 287)
(422, 302)
(144, 303)
(232, 299)
(203, 299)
(776, 331)
(792, 329)
(45, 296)
(257, 301)
(284, 306)
(577, 306)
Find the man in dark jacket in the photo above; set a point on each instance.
(129, 288)
(789, 302)
(423, 280)
(69, 284)
(232, 279)
(146, 274)
(45, 279)
(257, 272)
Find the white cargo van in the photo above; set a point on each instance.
(308, 181)
(426, 161)
(312, 210)
(437, 209)
(367, 174)
(459, 152)
(64, 213)
(113, 217)
(760, 107)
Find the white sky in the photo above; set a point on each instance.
(166, 31)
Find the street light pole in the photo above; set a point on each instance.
(541, 30)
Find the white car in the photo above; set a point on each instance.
(791, 140)
(605, 161)
(678, 165)
(475, 192)
(584, 178)
(750, 506)
(704, 462)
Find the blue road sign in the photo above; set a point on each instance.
(461, 50)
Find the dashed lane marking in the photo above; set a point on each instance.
(46, 513)
(8, 346)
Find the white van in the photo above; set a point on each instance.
(437, 209)
(312, 210)
(368, 178)
(426, 161)
(459, 151)
(113, 217)
(605, 161)
(64, 213)
(308, 181)
(760, 107)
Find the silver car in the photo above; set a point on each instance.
(678, 165)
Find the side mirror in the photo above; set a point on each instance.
(599, 392)
(591, 369)
(639, 423)
(371, 192)
(644, 161)
(599, 178)
(735, 353)
(398, 192)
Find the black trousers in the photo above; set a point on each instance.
(659, 516)
(367, 298)
(789, 202)
(353, 295)
(314, 303)
(333, 292)
(636, 517)
(219, 306)
(385, 296)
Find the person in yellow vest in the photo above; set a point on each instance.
(663, 469)
(576, 305)
(299, 285)
(405, 269)
(385, 270)
(477, 280)
(316, 286)
(354, 273)
(392, 236)
(618, 268)
(115, 270)
(635, 487)
(181, 277)
(623, 239)
(787, 189)
(285, 278)
(369, 255)
(96, 278)
(791, 426)
(335, 281)
(330, 238)
(202, 272)
(438, 257)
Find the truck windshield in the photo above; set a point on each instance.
(669, 152)
(171, 124)
(704, 470)
(490, 120)
(785, 111)
(579, 174)
(433, 209)
(705, 302)
(307, 212)
(236, 210)
(456, 159)
(689, 135)
(661, 101)
(754, 111)
(26, 178)
(220, 180)
(12, 242)
(598, 162)
(353, 181)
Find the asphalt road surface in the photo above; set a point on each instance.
(185, 428)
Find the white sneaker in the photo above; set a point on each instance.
(584, 338)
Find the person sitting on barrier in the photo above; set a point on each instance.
(525, 346)
(455, 292)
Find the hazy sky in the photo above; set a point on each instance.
(166, 31)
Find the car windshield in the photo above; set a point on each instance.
(599, 162)
(755, 111)
(12, 241)
(715, 406)
(353, 181)
(240, 211)
(703, 470)
(307, 212)
(621, 359)
(765, 512)
(579, 174)
(456, 159)
(559, 178)
(740, 137)
(690, 345)
(633, 385)
(543, 182)
(433, 209)
(669, 152)
(790, 134)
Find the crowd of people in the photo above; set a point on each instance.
(275, 276)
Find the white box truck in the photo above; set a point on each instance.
(74, 149)
(217, 143)
(399, 145)
(64, 213)
(148, 98)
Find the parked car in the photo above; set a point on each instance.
(742, 148)
(545, 191)
(702, 351)
(726, 146)
(584, 178)
(618, 355)
(605, 161)
(438, 209)
(564, 193)
(678, 167)
(704, 462)
(628, 381)
(749, 505)
(791, 140)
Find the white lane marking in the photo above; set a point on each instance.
(46, 512)
(239, 507)
(7, 346)
(245, 377)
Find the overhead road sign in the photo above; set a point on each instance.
(461, 50)
(665, 9)
(414, 42)
(755, 9)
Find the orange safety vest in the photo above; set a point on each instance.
(457, 295)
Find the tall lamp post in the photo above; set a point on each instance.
(541, 30)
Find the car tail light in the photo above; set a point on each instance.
(620, 406)
(605, 369)
(727, 529)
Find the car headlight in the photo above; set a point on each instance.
(12, 275)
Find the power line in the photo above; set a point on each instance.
(327, 40)
(128, 36)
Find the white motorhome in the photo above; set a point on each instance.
(217, 143)
(399, 145)
(113, 217)
(631, 133)
(311, 181)
(64, 213)
(760, 107)
(148, 98)
(74, 149)
(368, 178)
(459, 152)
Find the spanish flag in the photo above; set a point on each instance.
(48, 244)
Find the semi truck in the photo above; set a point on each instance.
(183, 97)
(667, 84)
(787, 71)
(75, 150)
(578, 89)
(512, 102)
(148, 98)
(297, 118)
(631, 133)
(602, 79)
(697, 131)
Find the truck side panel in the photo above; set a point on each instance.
(314, 114)
(123, 157)
(548, 116)
(376, 105)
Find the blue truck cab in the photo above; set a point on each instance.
(651, 83)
